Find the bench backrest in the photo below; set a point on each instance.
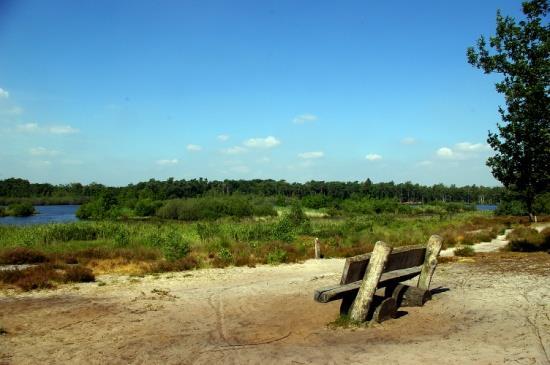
(400, 258)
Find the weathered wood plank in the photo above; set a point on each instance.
(377, 262)
(400, 258)
(335, 292)
(430, 262)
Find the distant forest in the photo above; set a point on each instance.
(14, 189)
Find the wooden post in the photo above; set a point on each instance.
(378, 259)
(430, 262)
(317, 249)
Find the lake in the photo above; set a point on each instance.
(46, 214)
(486, 207)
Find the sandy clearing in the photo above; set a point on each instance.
(489, 315)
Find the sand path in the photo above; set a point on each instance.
(495, 311)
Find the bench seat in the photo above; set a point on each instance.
(335, 292)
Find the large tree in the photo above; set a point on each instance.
(519, 51)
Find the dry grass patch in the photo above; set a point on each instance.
(45, 276)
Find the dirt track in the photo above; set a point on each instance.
(495, 312)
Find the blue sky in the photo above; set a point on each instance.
(124, 91)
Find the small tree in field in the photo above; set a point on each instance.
(520, 53)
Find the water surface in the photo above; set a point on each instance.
(46, 214)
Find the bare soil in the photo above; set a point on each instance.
(490, 309)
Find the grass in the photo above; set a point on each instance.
(139, 247)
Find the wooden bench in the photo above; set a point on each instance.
(384, 268)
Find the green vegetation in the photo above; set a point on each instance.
(520, 52)
(525, 239)
(314, 194)
(18, 210)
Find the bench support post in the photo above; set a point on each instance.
(361, 305)
(430, 262)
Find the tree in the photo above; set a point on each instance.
(520, 52)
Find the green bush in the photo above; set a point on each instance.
(542, 204)
(175, 246)
(284, 230)
(207, 208)
(21, 210)
(146, 208)
(512, 207)
(276, 256)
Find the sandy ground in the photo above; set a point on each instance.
(494, 309)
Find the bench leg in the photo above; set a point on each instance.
(346, 304)
(387, 309)
(408, 296)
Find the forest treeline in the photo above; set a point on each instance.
(15, 189)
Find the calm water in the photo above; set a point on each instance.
(485, 207)
(46, 214)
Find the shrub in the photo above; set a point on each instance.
(297, 216)
(21, 255)
(175, 246)
(183, 264)
(277, 256)
(209, 208)
(78, 274)
(525, 239)
(146, 208)
(284, 230)
(44, 276)
(511, 207)
(21, 209)
(465, 251)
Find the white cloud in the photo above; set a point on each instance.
(311, 155)
(373, 157)
(267, 142)
(472, 147)
(463, 151)
(445, 152)
(28, 127)
(42, 151)
(193, 147)
(4, 94)
(424, 163)
(223, 137)
(167, 162)
(304, 118)
(408, 140)
(54, 129)
(62, 129)
(235, 150)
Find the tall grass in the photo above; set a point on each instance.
(234, 241)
